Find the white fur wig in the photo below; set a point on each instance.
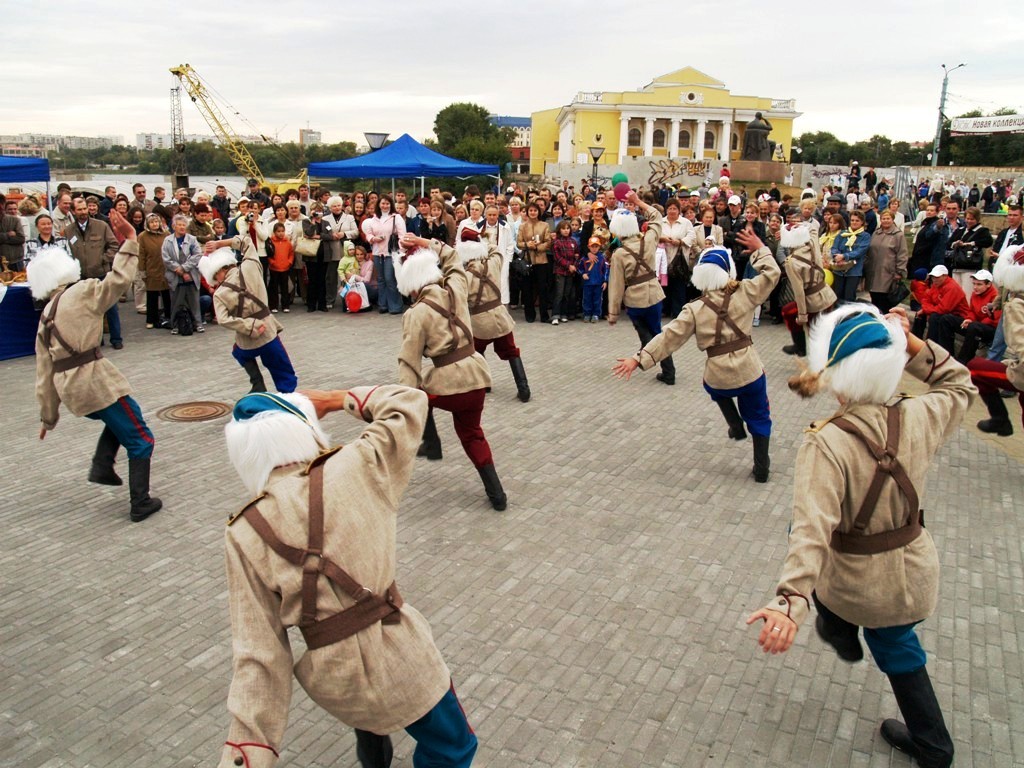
(471, 250)
(624, 224)
(414, 271)
(212, 263)
(1007, 273)
(714, 269)
(870, 375)
(51, 268)
(274, 438)
(795, 237)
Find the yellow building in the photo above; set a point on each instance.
(684, 114)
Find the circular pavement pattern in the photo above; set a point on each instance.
(200, 410)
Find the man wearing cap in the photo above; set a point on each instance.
(71, 369)
(437, 325)
(632, 279)
(979, 327)
(943, 307)
(732, 224)
(240, 304)
(492, 324)
(834, 205)
(856, 517)
(254, 192)
(316, 550)
(992, 375)
(721, 320)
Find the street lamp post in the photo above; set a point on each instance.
(942, 108)
(375, 142)
(595, 152)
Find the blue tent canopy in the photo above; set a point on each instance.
(21, 169)
(402, 159)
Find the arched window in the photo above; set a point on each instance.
(735, 142)
(659, 138)
(684, 139)
(709, 140)
(634, 137)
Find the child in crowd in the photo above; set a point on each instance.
(364, 274)
(219, 228)
(594, 269)
(576, 223)
(280, 267)
(567, 254)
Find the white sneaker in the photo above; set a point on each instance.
(554, 321)
(273, 311)
(286, 310)
(201, 329)
(757, 322)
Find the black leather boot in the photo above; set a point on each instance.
(493, 487)
(843, 636)
(732, 418)
(143, 505)
(761, 461)
(519, 374)
(102, 470)
(373, 751)
(255, 376)
(431, 445)
(924, 737)
(799, 345)
(999, 422)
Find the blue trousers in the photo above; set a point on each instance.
(124, 418)
(114, 324)
(997, 349)
(591, 300)
(444, 738)
(276, 360)
(387, 287)
(647, 324)
(845, 286)
(752, 401)
(896, 650)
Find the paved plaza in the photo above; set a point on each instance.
(597, 622)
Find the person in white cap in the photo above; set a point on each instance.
(856, 513)
(721, 320)
(71, 369)
(991, 375)
(979, 327)
(732, 224)
(943, 307)
(315, 550)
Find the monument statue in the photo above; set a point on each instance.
(755, 140)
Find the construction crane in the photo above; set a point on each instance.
(200, 94)
(179, 169)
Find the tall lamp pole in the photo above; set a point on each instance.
(942, 109)
(375, 142)
(595, 152)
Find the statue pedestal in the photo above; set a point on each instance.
(755, 170)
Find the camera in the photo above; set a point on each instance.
(315, 215)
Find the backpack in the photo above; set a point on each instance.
(183, 321)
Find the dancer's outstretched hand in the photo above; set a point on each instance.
(624, 368)
(777, 634)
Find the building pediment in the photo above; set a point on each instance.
(682, 77)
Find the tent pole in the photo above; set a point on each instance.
(392, 188)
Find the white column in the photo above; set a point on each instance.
(673, 139)
(623, 138)
(648, 137)
(698, 140)
(565, 136)
(726, 144)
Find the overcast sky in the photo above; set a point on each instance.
(101, 68)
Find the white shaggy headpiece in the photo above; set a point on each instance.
(795, 237)
(51, 268)
(623, 224)
(213, 263)
(416, 270)
(472, 250)
(1007, 273)
(714, 269)
(868, 375)
(273, 439)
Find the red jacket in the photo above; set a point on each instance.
(977, 302)
(945, 299)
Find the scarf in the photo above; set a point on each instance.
(851, 236)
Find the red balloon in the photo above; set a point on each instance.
(621, 190)
(353, 301)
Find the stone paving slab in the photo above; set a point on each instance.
(597, 622)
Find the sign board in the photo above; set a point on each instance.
(967, 126)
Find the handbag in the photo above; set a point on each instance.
(679, 269)
(520, 267)
(307, 246)
(963, 257)
(393, 246)
(898, 292)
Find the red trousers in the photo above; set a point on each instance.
(989, 377)
(466, 409)
(789, 313)
(504, 346)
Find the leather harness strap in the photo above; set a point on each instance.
(815, 285)
(642, 272)
(855, 541)
(75, 359)
(478, 306)
(719, 347)
(243, 294)
(455, 352)
(369, 608)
